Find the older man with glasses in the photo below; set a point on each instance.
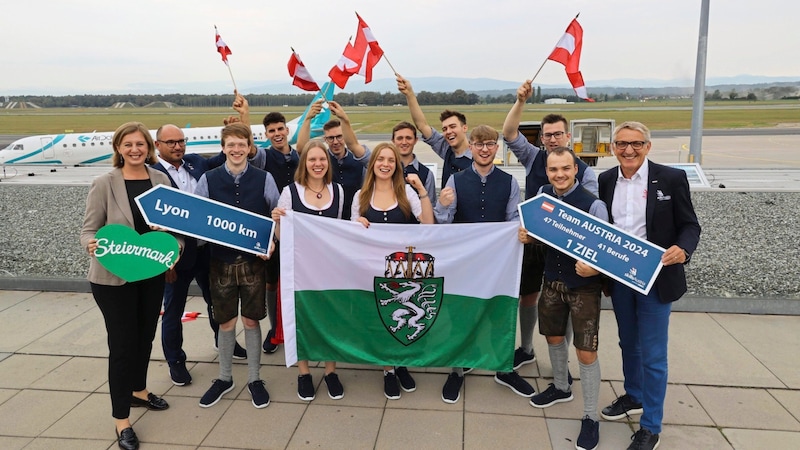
(348, 156)
(651, 201)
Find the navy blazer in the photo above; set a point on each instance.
(196, 165)
(671, 220)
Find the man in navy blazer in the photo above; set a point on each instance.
(651, 201)
(184, 170)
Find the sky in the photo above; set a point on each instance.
(108, 46)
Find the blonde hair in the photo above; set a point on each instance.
(130, 128)
(398, 182)
(301, 174)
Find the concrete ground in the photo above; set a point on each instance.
(731, 386)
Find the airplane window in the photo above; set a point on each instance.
(92, 144)
(19, 147)
(83, 144)
(74, 145)
(65, 145)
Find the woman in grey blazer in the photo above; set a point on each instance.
(130, 310)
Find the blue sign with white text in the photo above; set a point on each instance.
(206, 219)
(628, 259)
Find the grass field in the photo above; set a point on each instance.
(658, 115)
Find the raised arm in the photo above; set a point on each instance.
(511, 124)
(350, 139)
(304, 134)
(404, 86)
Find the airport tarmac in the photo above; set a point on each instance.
(731, 386)
(737, 161)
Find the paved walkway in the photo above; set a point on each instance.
(734, 383)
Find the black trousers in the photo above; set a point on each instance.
(131, 314)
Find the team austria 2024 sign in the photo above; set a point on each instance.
(628, 259)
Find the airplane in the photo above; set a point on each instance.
(79, 149)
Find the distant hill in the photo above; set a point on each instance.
(480, 86)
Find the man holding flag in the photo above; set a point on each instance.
(554, 133)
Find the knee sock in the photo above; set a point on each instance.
(590, 384)
(558, 359)
(252, 341)
(272, 308)
(227, 340)
(570, 331)
(459, 371)
(528, 315)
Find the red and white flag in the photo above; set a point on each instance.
(299, 73)
(347, 66)
(357, 58)
(222, 47)
(568, 53)
(372, 50)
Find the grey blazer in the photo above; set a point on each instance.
(108, 203)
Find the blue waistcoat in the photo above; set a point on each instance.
(557, 265)
(281, 169)
(298, 206)
(422, 173)
(452, 165)
(247, 194)
(350, 174)
(479, 201)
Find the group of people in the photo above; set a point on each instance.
(339, 178)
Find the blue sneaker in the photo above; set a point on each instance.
(215, 392)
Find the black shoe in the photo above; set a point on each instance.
(406, 380)
(258, 391)
(215, 392)
(305, 387)
(550, 397)
(335, 388)
(127, 439)
(179, 375)
(590, 434)
(268, 346)
(516, 383)
(644, 440)
(621, 407)
(239, 352)
(451, 391)
(152, 403)
(391, 387)
(521, 357)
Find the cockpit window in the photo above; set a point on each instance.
(18, 147)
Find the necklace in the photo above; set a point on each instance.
(319, 193)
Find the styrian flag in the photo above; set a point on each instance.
(568, 53)
(300, 75)
(410, 295)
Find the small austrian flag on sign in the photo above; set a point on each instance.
(549, 207)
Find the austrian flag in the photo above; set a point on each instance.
(357, 58)
(568, 53)
(300, 75)
(222, 47)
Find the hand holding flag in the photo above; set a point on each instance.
(300, 75)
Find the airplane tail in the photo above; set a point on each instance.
(317, 122)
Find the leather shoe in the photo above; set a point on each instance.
(152, 403)
(127, 440)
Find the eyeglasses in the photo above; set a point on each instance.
(557, 135)
(172, 143)
(339, 138)
(479, 145)
(636, 145)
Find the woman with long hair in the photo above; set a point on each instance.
(313, 192)
(385, 197)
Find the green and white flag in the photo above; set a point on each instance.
(410, 295)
